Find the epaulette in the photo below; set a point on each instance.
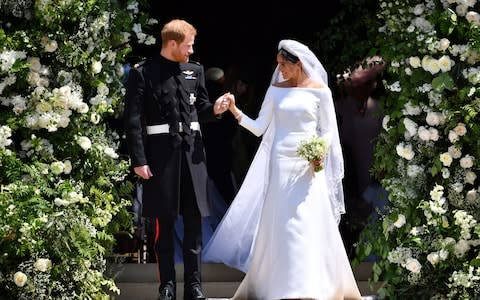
(139, 64)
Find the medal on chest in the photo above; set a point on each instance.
(192, 99)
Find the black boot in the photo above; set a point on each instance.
(194, 293)
(167, 291)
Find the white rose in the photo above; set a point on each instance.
(35, 64)
(473, 17)
(461, 10)
(413, 265)
(430, 64)
(110, 152)
(423, 134)
(445, 63)
(414, 61)
(67, 167)
(461, 248)
(57, 167)
(83, 108)
(96, 67)
(405, 151)
(460, 129)
(434, 136)
(418, 9)
(51, 46)
(449, 241)
(84, 142)
(433, 258)
(443, 45)
(42, 264)
(408, 153)
(455, 151)
(411, 126)
(20, 279)
(63, 121)
(433, 118)
(452, 137)
(400, 221)
(43, 82)
(43, 107)
(470, 177)
(466, 162)
(471, 195)
(446, 159)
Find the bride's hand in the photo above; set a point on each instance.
(317, 164)
(231, 101)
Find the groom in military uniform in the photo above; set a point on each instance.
(165, 101)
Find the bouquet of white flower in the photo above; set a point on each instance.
(314, 151)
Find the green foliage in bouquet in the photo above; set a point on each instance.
(63, 180)
(427, 242)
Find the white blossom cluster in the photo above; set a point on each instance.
(61, 77)
(431, 134)
(5, 134)
(403, 256)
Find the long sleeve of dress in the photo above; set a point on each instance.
(260, 124)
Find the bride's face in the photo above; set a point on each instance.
(287, 68)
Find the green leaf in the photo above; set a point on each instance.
(442, 82)
(368, 249)
(475, 262)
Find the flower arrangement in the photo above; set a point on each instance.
(428, 241)
(63, 180)
(313, 150)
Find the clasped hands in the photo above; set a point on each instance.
(223, 103)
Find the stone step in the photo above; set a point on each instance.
(214, 290)
(139, 281)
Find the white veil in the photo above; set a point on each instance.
(334, 168)
(310, 63)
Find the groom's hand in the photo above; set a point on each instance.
(221, 104)
(143, 171)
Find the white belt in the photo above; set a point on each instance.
(165, 128)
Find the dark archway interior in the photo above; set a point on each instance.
(244, 34)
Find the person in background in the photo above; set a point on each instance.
(165, 101)
(282, 227)
(360, 121)
(239, 82)
(218, 137)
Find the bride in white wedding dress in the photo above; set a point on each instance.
(282, 227)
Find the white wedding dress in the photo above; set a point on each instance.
(281, 228)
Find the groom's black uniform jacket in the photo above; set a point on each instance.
(161, 91)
